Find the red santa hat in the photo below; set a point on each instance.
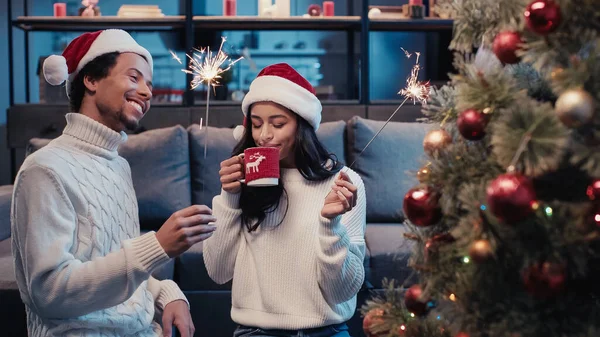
(282, 84)
(85, 48)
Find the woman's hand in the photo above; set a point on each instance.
(232, 170)
(341, 199)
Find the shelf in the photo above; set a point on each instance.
(418, 25)
(291, 23)
(78, 23)
(353, 23)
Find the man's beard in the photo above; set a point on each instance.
(130, 124)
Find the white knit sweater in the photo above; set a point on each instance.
(81, 266)
(304, 273)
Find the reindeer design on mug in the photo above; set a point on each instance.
(256, 159)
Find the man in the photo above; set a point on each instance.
(81, 266)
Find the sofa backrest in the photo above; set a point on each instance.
(388, 165)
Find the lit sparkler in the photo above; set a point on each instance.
(418, 91)
(207, 67)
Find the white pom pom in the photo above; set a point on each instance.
(486, 61)
(55, 69)
(238, 132)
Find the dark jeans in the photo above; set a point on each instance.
(336, 330)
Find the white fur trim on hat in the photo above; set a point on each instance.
(287, 93)
(55, 69)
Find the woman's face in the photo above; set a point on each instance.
(275, 126)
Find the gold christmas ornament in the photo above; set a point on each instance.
(436, 140)
(481, 251)
(575, 108)
(423, 173)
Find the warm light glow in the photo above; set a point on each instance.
(208, 68)
(466, 259)
(535, 205)
(452, 297)
(403, 327)
(418, 194)
(548, 211)
(418, 91)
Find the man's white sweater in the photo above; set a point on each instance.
(302, 273)
(82, 267)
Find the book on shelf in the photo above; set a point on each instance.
(140, 11)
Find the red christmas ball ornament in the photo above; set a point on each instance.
(421, 206)
(413, 302)
(593, 191)
(374, 316)
(506, 45)
(545, 280)
(543, 16)
(511, 197)
(471, 124)
(462, 334)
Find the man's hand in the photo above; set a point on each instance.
(185, 228)
(177, 313)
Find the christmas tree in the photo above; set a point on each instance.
(505, 222)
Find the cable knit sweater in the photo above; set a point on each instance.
(304, 273)
(81, 266)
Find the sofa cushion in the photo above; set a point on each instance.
(159, 161)
(7, 270)
(332, 136)
(386, 163)
(205, 171)
(191, 273)
(388, 252)
(5, 200)
(160, 170)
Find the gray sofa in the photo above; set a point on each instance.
(170, 172)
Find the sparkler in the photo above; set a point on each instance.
(418, 91)
(207, 68)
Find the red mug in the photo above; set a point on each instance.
(261, 166)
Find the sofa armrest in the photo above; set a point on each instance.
(5, 201)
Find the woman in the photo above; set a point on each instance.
(295, 251)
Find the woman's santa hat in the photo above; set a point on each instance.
(85, 48)
(282, 84)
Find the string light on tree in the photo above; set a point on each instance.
(593, 191)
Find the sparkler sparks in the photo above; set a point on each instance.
(175, 57)
(418, 91)
(208, 68)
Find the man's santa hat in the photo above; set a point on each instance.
(281, 84)
(85, 48)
